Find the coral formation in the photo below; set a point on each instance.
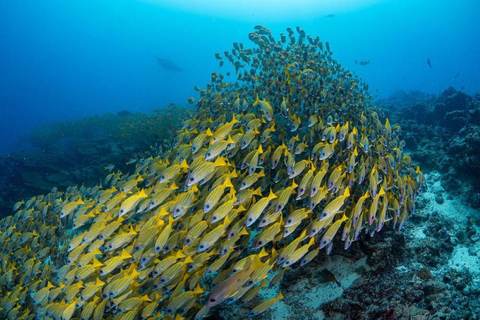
(443, 134)
(62, 154)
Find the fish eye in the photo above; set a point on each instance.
(187, 240)
(314, 230)
(177, 210)
(212, 300)
(207, 206)
(250, 219)
(289, 221)
(264, 221)
(301, 190)
(202, 246)
(192, 178)
(157, 248)
(260, 242)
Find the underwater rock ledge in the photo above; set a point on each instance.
(272, 172)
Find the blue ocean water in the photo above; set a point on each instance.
(68, 59)
(385, 222)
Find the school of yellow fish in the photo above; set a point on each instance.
(289, 159)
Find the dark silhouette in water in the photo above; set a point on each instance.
(363, 62)
(429, 63)
(329, 16)
(168, 64)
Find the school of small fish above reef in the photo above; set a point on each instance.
(269, 172)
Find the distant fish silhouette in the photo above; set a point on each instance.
(429, 63)
(329, 16)
(363, 62)
(168, 64)
(456, 76)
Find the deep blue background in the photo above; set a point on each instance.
(66, 59)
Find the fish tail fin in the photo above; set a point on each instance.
(125, 254)
(256, 101)
(230, 140)
(184, 164)
(382, 192)
(220, 162)
(227, 183)
(257, 192)
(271, 195)
(260, 149)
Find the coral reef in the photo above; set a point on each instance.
(443, 134)
(62, 154)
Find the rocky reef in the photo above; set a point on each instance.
(443, 134)
(76, 152)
